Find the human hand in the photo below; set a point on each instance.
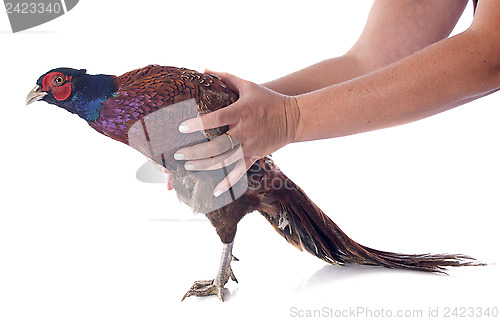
(260, 122)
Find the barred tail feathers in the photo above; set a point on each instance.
(303, 224)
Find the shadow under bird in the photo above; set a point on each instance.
(144, 107)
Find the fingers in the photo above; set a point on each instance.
(216, 162)
(218, 118)
(217, 146)
(219, 152)
(221, 117)
(232, 178)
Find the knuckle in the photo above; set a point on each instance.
(216, 146)
(247, 112)
(219, 118)
(203, 164)
(189, 153)
(226, 162)
(231, 159)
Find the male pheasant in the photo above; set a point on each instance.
(144, 107)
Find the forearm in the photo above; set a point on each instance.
(394, 30)
(323, 74)
(433, 80)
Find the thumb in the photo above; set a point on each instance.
(218, 118)
(231, 80)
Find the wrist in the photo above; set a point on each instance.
(292, 119)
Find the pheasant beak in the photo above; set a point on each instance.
(35, 94)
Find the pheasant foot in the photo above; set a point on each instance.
(216, 286)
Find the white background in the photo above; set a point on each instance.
(82, 239)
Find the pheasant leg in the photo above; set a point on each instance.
(216, 286)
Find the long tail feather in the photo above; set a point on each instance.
(303, 224)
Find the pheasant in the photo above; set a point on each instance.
(144, 107)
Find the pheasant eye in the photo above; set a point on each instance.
(59, 80)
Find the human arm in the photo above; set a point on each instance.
(394, 30)
(434, 79)
(437, 78)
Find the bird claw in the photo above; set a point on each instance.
(216, 286)
(205, 288)
(209, 287)
(232, 276)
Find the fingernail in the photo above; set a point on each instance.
(179, 156)
(189, 166)
(183, 128)
(217, 193)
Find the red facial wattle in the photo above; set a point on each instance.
(58, 84)
(62, 92)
